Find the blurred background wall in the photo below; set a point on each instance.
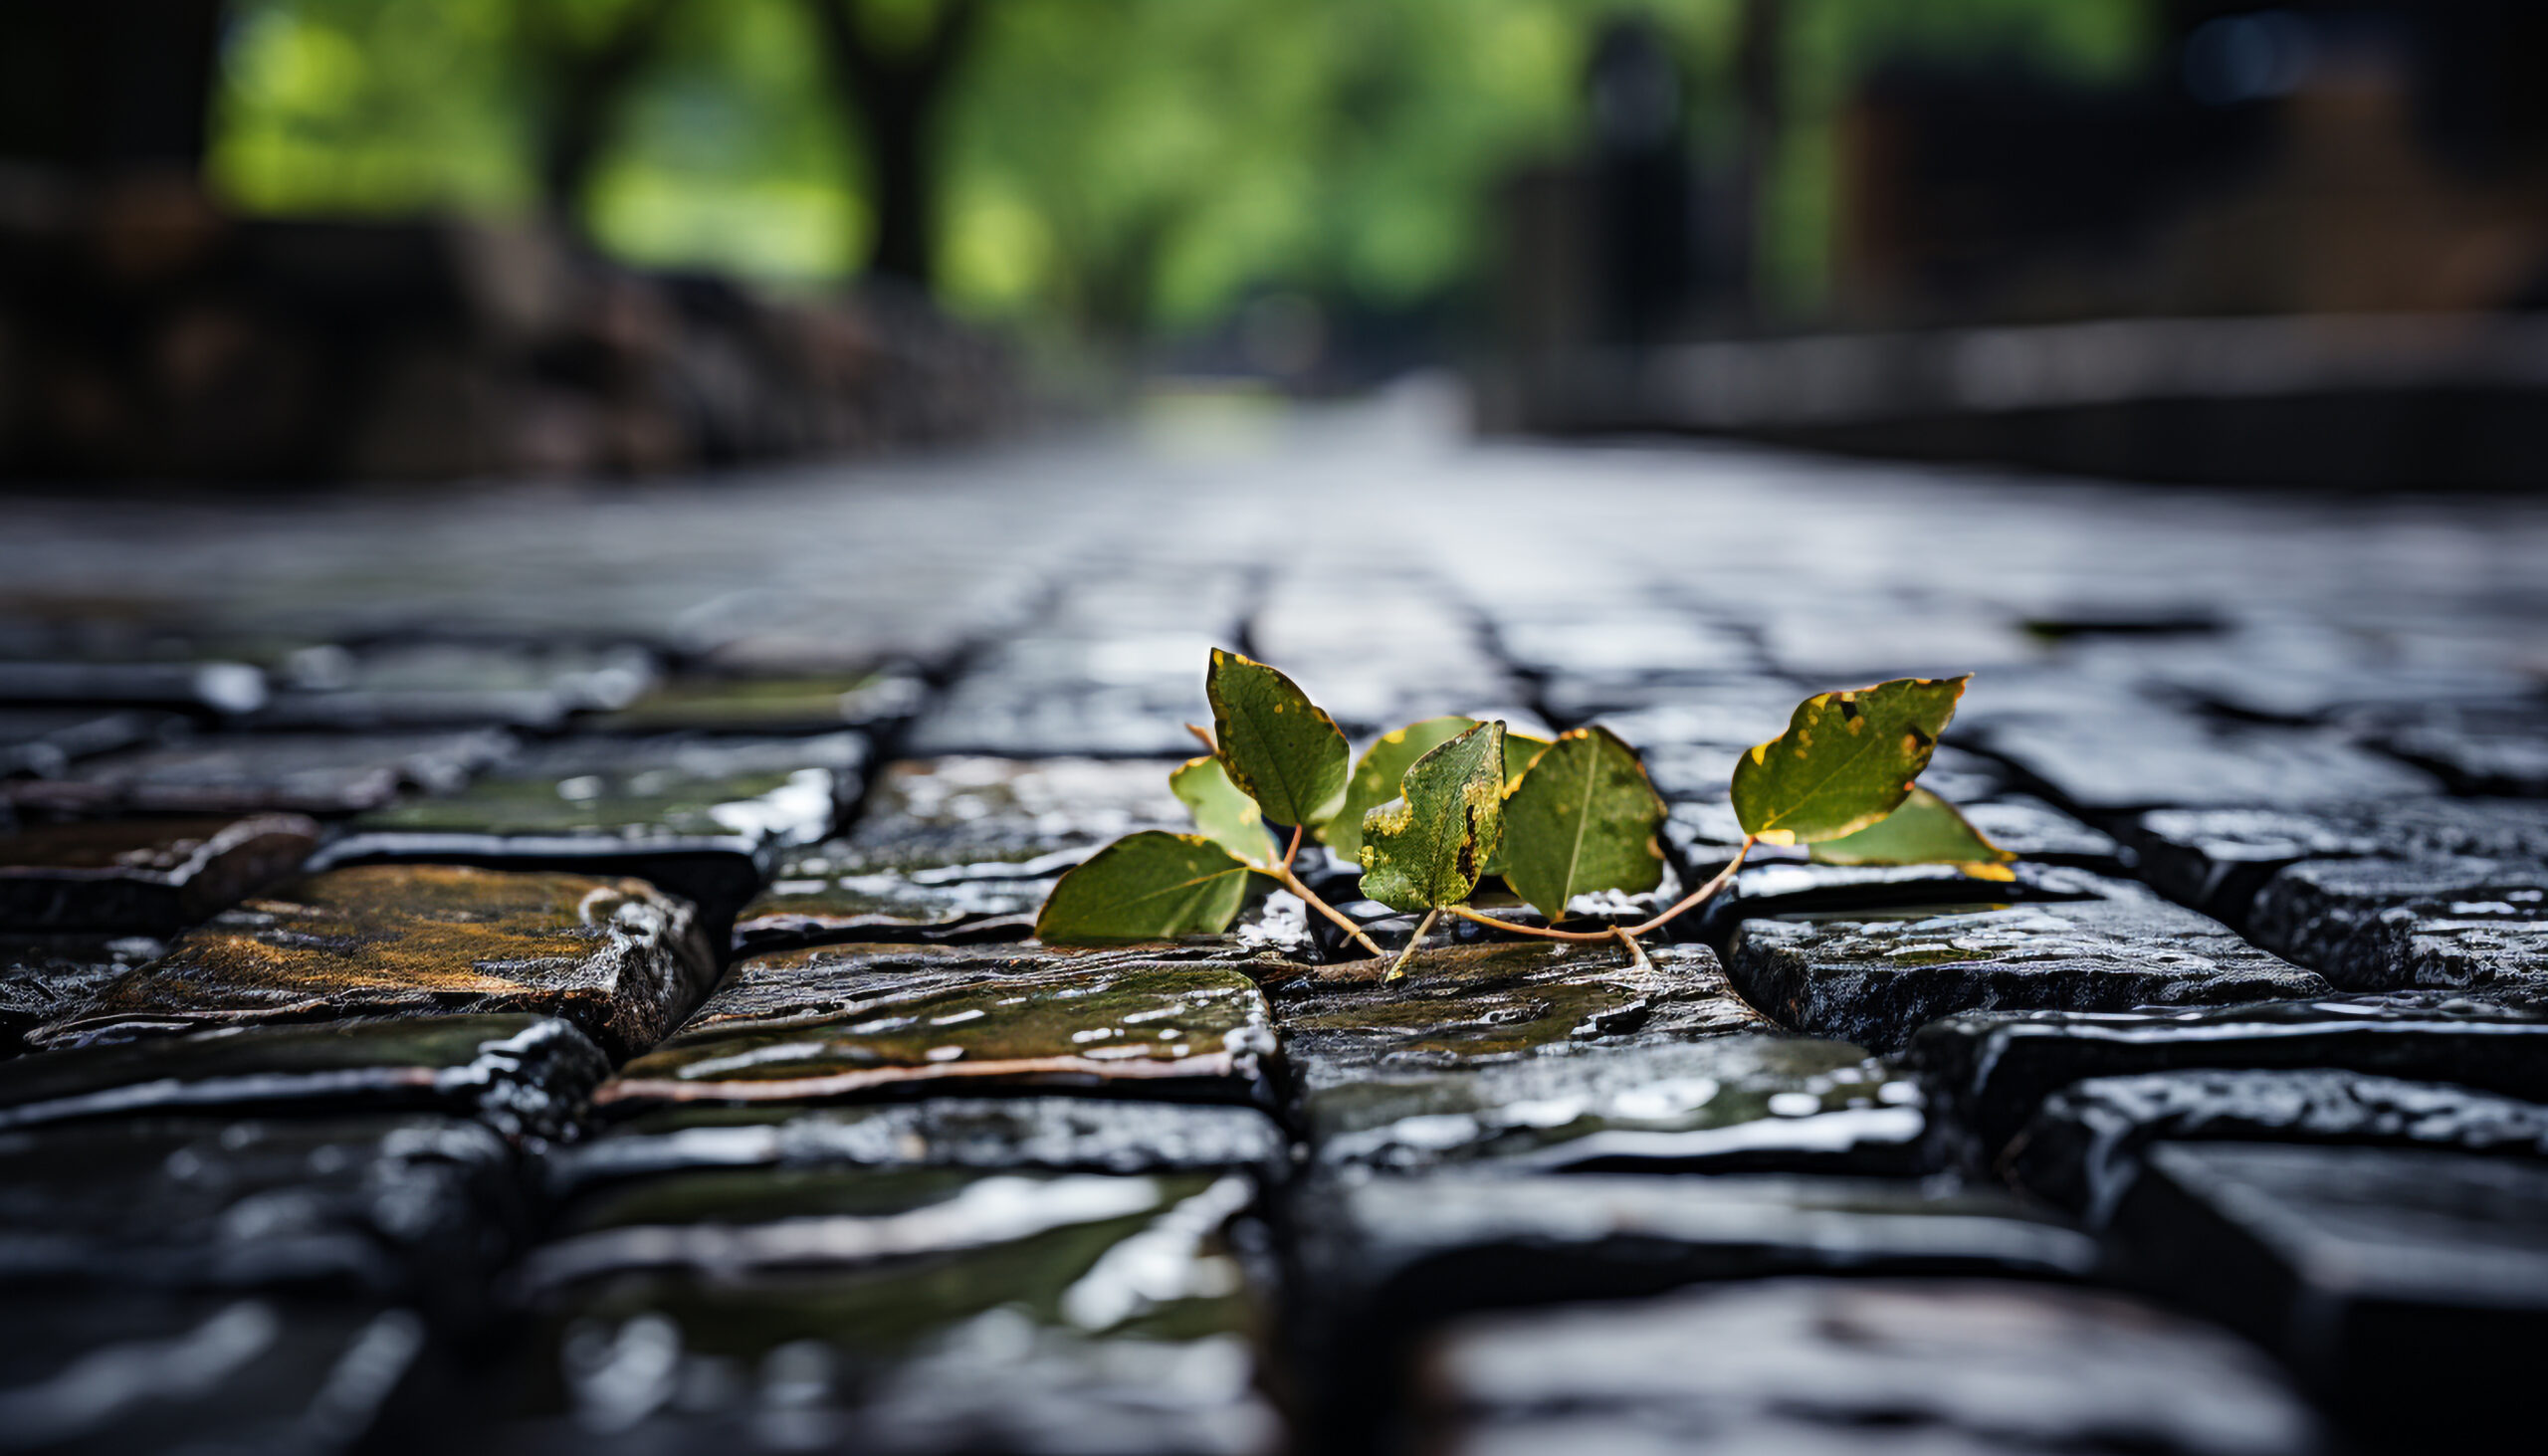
(278, 240)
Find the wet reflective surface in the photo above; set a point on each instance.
(616, 957)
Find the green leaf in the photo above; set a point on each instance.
(1519, 750)
(1845, 761)
(1376, 777)
(1926, 830)
(1585, 818)
(1150, 886)
(1226, 817)
(1279, 747)
(1428, 849)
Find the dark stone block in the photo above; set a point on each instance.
(2466, 924)
(523, 1076)
(252, 774)
(42, 742)
(1733, 1103)
(1463, 1007)
(47, 978)
(1839, 1367)
(618, 958)
(807, 704)
(1013, 1133)
(2217, 859)
(454, 684)
(2103, 765)
(2084, 1149)
(958, 847)
(853, 1307)
(1385, 1257)
(142, 877)
(2489, 749)
(705, 818)
(1987, 1074)
(97, 1372)
(195, 686)
(852, 1022)
(1023, 704)
(1877, 979)
(414, 1207)
(2407, 1286)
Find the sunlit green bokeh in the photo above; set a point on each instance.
(1113, 168)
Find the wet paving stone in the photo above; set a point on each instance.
(2476, 749)
(1040, 715)
(773, 704)
(2217, 859)
(618, 958)
(2381, 1275)
(1736, 1101)
(142, 877)
(705, 818)
(1876, 979)
(830, 1023)
(1014, 1134)
(454, 684)
(527, 1077)
(1464, 1008)
(875, 1309)
(2468, 925)
(1382, 1258)
(961, 847)
(202, 688)
(415, 1207)
(2084, 1149)
(1637, 643)
(251, 773)
(1989, 1074)
(2101, 765)
(42, 742)
(94, 1372)
(1783, 887)
(1841, 1367)
(43, 978)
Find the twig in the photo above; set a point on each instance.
(1700, 896)
(1397, 968)
(1205, 733)
(1292, 882)
(1637, 952)
(1466, 914)
(1293, 850)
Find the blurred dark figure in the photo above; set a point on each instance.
(1641, 176)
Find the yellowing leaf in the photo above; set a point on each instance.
(1519, 750)
(1226, 817)
(1428, 849)
(1584, 818)
(1150, 886)
(1278, 747)
(1376, 777)
(1845, 761)
(1926, 830)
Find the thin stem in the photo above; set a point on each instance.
(1205, 735)
(1700, 896)
(1294, 849)
(1397, 968)
(1637, 952)
(1466, 914)
(1292, 882)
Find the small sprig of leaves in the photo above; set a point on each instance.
(1435, 807)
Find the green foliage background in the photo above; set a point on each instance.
(1109, 168)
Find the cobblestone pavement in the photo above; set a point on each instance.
(545, 968)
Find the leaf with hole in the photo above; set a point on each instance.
(1428, 849)
(1150, 886)
(1926, 830)
(1845, 761)
(1279, 747)
(1585, 818)
(1224, 816)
